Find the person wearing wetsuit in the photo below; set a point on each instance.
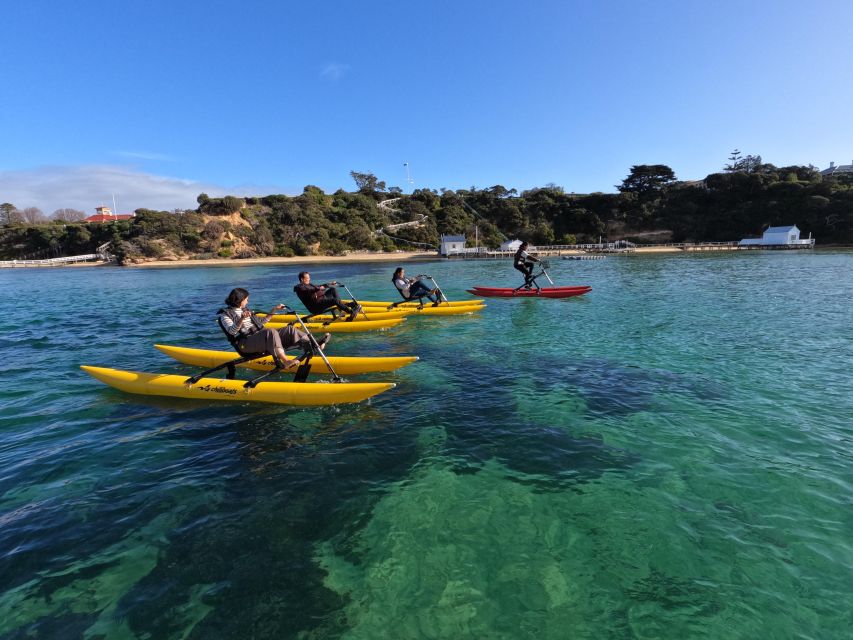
(414, 288)
(523, 262)
(246, 331)
(318, 299)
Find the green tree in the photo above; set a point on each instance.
(7, 213)
(232, 204)
(734, 162)
(644, 179)
(367, 182)
(746, 164)
(118, 248)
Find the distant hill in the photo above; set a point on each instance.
(651, 206)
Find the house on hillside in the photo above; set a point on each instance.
(105, 214)
(833, 170)
(451, 244)
(779, 236)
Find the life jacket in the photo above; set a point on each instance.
(404, 290)
(234, 339)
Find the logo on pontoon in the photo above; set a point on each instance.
(213, 389)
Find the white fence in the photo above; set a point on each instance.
(103, 256)
(52, 262)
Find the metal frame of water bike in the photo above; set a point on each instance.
(300, 375)
(543, 266)
(420, 298)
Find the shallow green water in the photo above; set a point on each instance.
(666, 457)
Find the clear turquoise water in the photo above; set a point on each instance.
(666, 457)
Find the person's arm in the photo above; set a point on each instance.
(269, 315)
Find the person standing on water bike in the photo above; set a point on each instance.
(247, 334)
(413, 288)
(318, 299)
(523, 262)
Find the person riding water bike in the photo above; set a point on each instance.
(324, 297)
(414, 288)
(523, 261)
(247, 334)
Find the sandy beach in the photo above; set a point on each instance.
(398, 256)
(402, 256)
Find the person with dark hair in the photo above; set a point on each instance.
(324, 297)
(247, 334)
(523, 261)
(414, 288)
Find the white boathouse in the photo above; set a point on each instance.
(778, 237)
(451, 244)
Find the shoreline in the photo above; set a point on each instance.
(403, 256)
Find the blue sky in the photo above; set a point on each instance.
(157, 101)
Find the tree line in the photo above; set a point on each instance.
(744, 198)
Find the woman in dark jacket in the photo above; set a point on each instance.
(523, 262)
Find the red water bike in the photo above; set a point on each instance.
(531, 289)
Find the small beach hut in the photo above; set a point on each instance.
(451, 244)
(781, 235)
(778, 236)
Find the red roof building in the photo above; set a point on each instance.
(105, 214)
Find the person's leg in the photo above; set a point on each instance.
(528, 276)
(332, 299)
(428, 292)
(266, 340)
(420, 290)
(525, 272)
(292, 337)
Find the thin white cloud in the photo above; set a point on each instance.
(144, 155)
(88, 186)
(334, 71)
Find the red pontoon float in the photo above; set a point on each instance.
(534, 291)
(548, 292)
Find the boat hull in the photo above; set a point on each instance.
(288, 393)
(380, 313)
(555, 292)
(343, 326)
(208, 359)
(408, 305)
